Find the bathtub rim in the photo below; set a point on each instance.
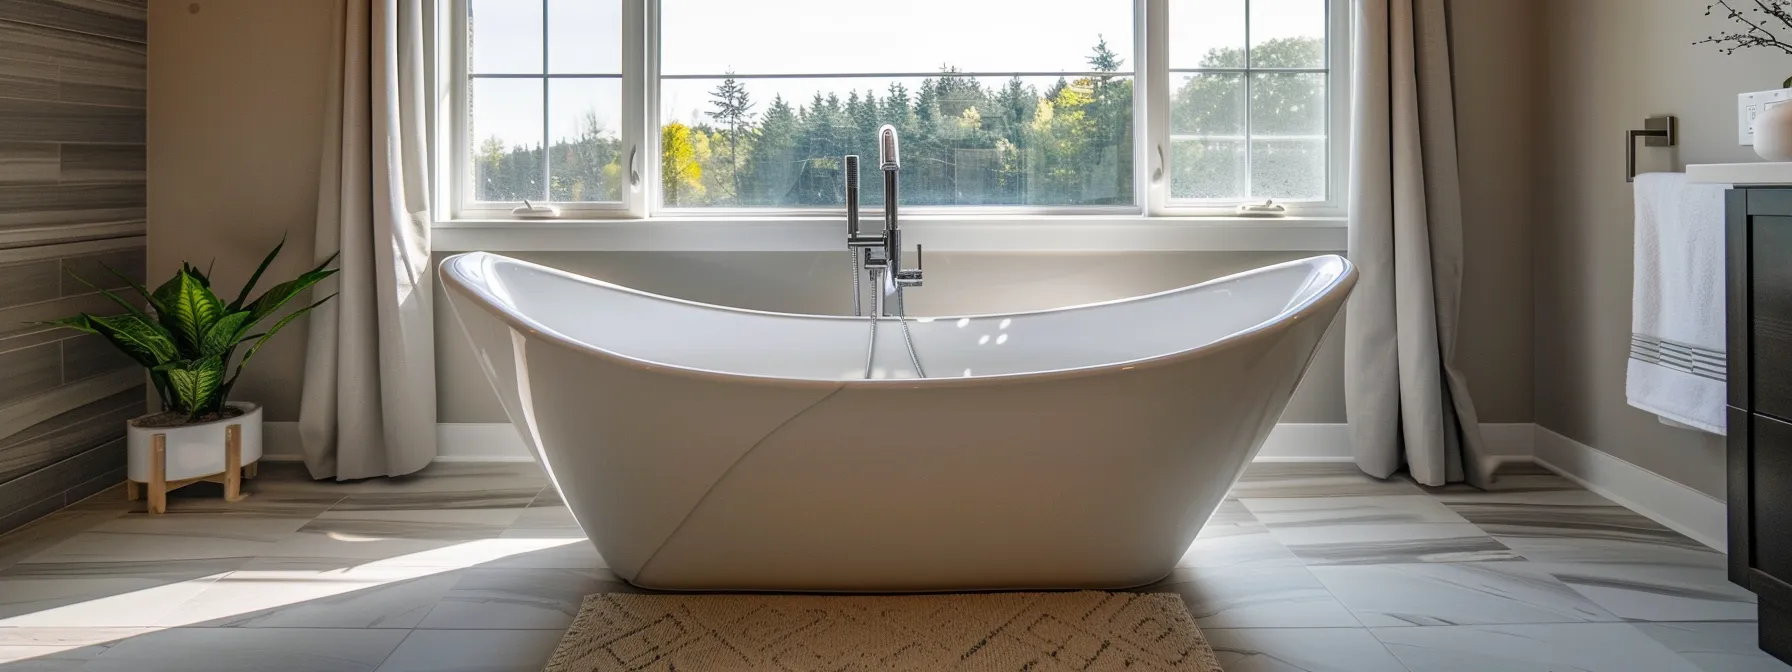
(1339, 287)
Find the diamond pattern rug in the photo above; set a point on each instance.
(1087, 631)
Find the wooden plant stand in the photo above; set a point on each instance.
(159, 486)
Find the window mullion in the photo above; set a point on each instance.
(634, 47)
(547, 162)
(1154, 51)
(1249, 147)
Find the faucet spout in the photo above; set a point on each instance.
(889, 157)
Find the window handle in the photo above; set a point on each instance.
(1157, 176)
(634, 173)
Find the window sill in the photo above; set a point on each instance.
(1119, 233)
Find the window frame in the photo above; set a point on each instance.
(640, 110)
(1337, 115)
(633, 121)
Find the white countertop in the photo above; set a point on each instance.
(1760, 172)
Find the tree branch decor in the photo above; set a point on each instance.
(1761, 20)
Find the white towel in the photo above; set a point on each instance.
(1676, 368)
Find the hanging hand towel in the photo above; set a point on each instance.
(1676, 367)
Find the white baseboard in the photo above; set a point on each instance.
(280, 442)
(480, 442)
(1330, 442)
(455, 442)
(1307, 442)
(1681, 508)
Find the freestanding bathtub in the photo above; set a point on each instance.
(711, 448)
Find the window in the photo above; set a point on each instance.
(630, 108)
(1247, 101)
(544, 102)
(1036, 113)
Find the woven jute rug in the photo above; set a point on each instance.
(1041, 632)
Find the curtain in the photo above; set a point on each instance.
(368, 405)
(1406, 401)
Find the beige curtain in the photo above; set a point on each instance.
(1406, 401)
(369, 392)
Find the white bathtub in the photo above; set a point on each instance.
(703, 447)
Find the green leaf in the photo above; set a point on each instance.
(128, 307)
(195, 383)
(270, 334)
(278, 295)
(196, 309)
(133, 284)
(143, 340)
(249, 286)
(225, 333)
(163, 299)
(80, 322)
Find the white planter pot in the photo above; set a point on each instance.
(1773, 133)
(193, 450)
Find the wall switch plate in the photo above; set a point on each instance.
(1751, 105)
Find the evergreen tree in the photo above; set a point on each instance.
(771, 166)
(964, 141)
(1104, 59)
(734, 111)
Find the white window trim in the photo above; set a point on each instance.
(637, 223)
(457, 135)
(1152, 49)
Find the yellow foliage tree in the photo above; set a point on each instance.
(681, 174)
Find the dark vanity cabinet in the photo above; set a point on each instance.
(1758, 288)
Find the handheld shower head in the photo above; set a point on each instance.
(851, 169)
(887, 153)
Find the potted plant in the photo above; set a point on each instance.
(187, 339)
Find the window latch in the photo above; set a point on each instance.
(634, 173)
(533, 211)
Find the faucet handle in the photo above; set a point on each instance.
(912, 277)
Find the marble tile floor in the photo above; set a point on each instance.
(1308, 567)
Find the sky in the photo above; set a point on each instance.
(712, 37)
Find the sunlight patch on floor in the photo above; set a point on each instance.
(244, 592)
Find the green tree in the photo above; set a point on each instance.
(771, 167)
(734, 111)
(588, 167)
(1285, 104)
(964, 141)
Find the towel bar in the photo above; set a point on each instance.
(1658, 131)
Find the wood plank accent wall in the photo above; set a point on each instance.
(72, 79)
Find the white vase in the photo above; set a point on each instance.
(1773, 133)
(193, 450)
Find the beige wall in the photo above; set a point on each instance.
(235, 131)
(1495, 47)
(236, 95)
(1610, 63)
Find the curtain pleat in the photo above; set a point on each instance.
(368, 406)
(1407, 403)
